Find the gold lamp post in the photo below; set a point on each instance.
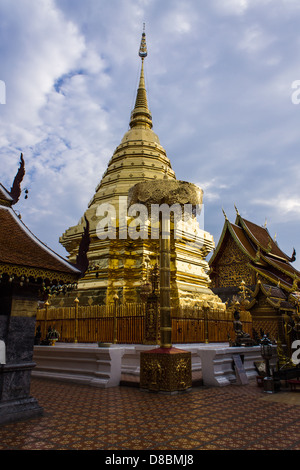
(165, 368)
(76, 320)
(116, 299)
(165, 300)
(205, 309)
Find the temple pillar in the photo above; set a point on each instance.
(17, 325)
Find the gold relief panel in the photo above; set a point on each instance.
(232, 254)
(163, 371)
(152, 323)
(231, 276)
(232, 267)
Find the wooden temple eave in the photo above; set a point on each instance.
(23, 273)
(282, 266)
(294, 296)
(281, 305)
(278, 306)
(220, 243)
(228, 229)
(265, 289)
(263, 246)
(5, 197)
(4, 202)
(272, 278)
(251, 304)
(277, 303)
(257, 252)
(240, 243)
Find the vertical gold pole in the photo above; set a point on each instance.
(116, 298)
(76, 319)
(46, 318)
(165, 290)
(205, 308)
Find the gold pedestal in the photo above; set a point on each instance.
(166, 370)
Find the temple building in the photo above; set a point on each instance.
(121, 264)
(27, 269)
(248, 265)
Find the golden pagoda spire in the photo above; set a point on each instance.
(141, 115)
(143, 47)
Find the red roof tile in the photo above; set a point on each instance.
(283, 266)
(244, 241)
(265, 257)
(263, 238)
(5, 197)
(18, 246)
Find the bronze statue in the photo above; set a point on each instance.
(241, 337)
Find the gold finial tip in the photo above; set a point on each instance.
(143, 47)
(224, 214)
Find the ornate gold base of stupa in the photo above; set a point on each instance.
(166, 370)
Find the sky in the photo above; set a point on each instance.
(223, 85)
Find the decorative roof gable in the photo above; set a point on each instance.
(19, 248)
(263, 253)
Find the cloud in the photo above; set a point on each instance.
(255, 40)
(282, 206)
(51, 94)
(212, 189)
(219, 77)
(235, 7)
(44, 47)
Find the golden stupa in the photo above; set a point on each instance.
(120, 264)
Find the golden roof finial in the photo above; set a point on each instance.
(236, 210)
(143, 47)
(224, 214)
(141, 115)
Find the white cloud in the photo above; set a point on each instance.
(45, 46)
(229, 7)
(284, 207)
(179, 23)
(219, 78)
(212, 190)
(51, 95)
(255, 39)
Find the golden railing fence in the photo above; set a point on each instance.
(193, 325)
(124, 324)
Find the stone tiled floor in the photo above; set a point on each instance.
(126, 418)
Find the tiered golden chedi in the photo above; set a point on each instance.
(119, 264)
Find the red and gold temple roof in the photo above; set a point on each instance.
(263, 253)
(23, 254)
